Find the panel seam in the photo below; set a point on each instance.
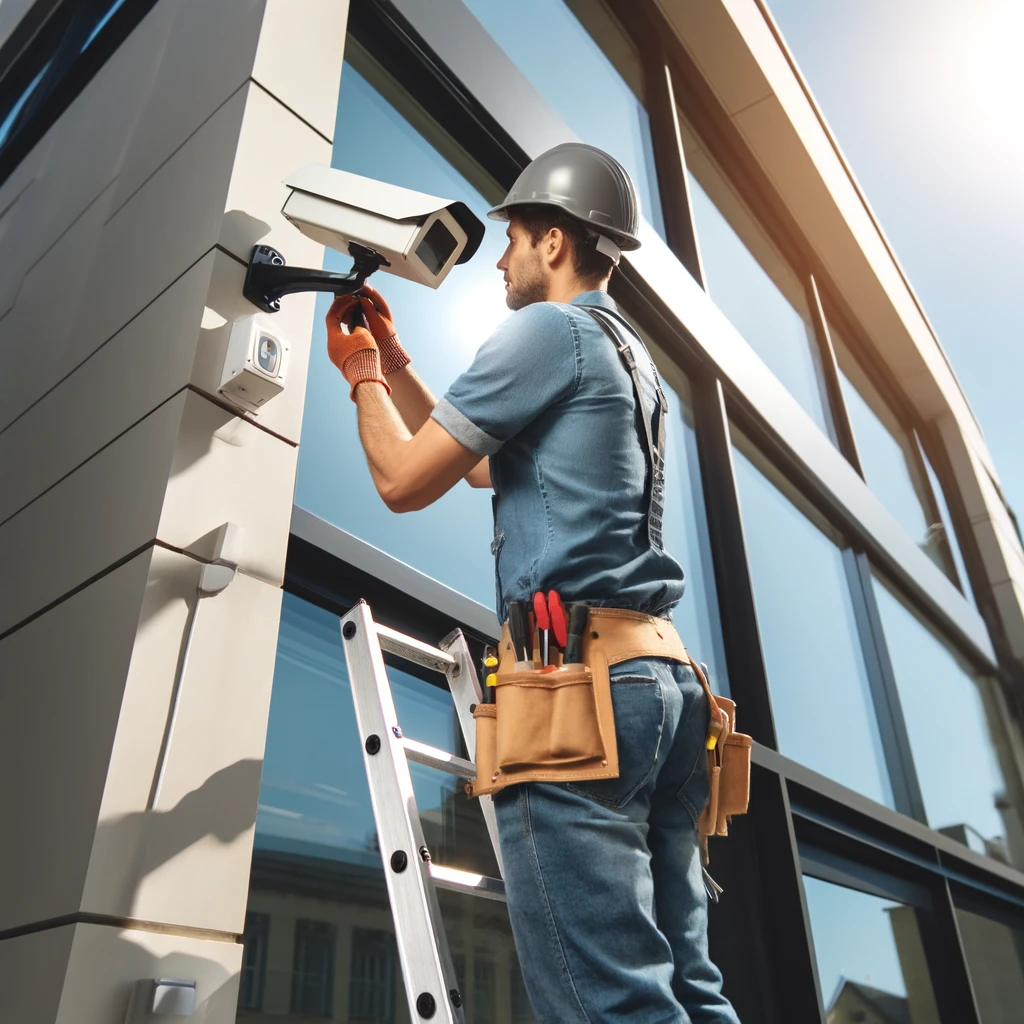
(127, 923)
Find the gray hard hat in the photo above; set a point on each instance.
(585, 182)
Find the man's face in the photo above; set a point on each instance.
(526, 276)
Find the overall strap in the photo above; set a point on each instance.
(619, 331)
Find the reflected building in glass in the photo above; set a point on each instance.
(183, 771)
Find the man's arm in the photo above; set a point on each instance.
(414, 402)
(410, 471)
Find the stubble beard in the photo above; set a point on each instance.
(528, 288)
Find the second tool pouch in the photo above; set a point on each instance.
(553, 726)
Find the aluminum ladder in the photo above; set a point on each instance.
(411, 874)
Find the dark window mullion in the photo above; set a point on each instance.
(892, 726)
(947, 962)
(748, 676)
(840, 418)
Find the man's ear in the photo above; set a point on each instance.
(555, 247)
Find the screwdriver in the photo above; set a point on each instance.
(577, 623)
(518, 628)
(540, 611)
(556, 612)
(490, 664)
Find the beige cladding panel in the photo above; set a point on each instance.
(32, 970)
(302, 68)
(187, 860)
(206, 57)
(64, 677)
(105, 962)
(227, 470)
(145, 363)
(105, 510)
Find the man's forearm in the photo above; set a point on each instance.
(382, 434)
(411, 397)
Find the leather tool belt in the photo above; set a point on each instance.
(558, 725)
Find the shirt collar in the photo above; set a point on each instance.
(594, 298)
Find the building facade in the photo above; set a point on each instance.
(182, 788)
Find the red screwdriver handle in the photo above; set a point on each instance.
(540, 610)
(559, 624)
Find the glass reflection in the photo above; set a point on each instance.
(319, 934)
(871, 960)
(956, 722)
(750, 282)
(995, 961)
(891, 459)
(945, 524)
(450, 540)
(598, 94)
(824, 713)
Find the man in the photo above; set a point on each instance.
(604, 878)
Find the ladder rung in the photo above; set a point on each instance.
(434, 757)
(413, 650)
(467, 882)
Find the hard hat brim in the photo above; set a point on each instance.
(626, 242)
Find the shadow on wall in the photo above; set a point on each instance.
(223, 807)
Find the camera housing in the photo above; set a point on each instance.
(421, 237)
(255, 366)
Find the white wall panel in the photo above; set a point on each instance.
(104, 962)
(106, 509)
(140, 367)
(166, 227)
(187, 861)
(227, 470)
(37, 330)
(64, 676)
(273, 142)
(300, 56)
(207, 55)
(32, 969)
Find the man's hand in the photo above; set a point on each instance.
(379, 322)
(355, 354)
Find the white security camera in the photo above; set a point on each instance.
(422, 237)
(383, 227)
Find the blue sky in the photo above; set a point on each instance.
(925, 98)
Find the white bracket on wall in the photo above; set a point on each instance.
(160, 997)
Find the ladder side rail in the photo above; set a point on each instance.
(466, 691)
(427, 969)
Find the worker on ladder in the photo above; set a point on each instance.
(562, 413)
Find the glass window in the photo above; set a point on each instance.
(871, 960)
(595, 85)
(316, 859)
(686, 526)
(891, 459)
(752, 284)
(451, 539)
(956, 723)
(948, 533)
(824, 713)
(995, 961)
(254, 961)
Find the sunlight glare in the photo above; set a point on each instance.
(995, 67)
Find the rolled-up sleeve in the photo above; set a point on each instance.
(530, 362)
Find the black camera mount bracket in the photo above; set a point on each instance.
(267, 277)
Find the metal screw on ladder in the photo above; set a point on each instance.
(456, 997)
(349, 631)
(372, 744)
(424, 854)
(426, 1006)
(399, 861)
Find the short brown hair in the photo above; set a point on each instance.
(538, 219)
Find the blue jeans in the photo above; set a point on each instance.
(604, 881)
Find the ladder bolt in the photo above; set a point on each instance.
(399, 861)
(348, 630)
(397, 732)
(456, 997)
(424, 854)
(373, 744)
(425, 1005)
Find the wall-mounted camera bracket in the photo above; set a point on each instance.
(268, 278)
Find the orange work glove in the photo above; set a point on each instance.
(381, 325)
(355, 354)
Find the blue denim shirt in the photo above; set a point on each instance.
(549, 399)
